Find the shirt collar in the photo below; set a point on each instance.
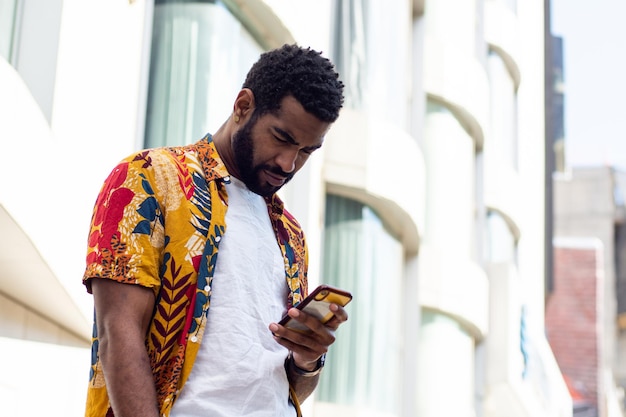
(212, 165)
(275, 204)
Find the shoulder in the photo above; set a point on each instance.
(160, 158)
(159, 164)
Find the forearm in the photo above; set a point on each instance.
(303, 385)
(307, 349)
(129, 379)
(123, 315)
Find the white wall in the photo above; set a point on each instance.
(42, 379)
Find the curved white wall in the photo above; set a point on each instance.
(382, 164)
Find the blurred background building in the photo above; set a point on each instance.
(585, 308)
(585, 315)
(431, 199)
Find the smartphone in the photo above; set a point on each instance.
(317, 303)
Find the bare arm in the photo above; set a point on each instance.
(301, 384)
(123, 313)
(307, 348)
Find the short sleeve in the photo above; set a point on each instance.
(126, 230)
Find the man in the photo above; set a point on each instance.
(179, 330)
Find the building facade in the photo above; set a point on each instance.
(575, 312)
(589, 224)
(427, 200)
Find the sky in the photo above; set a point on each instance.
(594, 43)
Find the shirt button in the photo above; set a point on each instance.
(218, 238)
(207, 288)
(194, 339)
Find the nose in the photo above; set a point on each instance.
(287, 160)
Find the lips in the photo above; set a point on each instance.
(273, 179)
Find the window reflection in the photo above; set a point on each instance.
(361, 256)
(200, 55)
(8, 12)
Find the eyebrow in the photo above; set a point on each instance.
(291, 140)
(286, 136)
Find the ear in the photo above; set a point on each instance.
(244, 104)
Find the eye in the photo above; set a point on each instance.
(309, 150)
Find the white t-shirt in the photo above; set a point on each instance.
(239, 370)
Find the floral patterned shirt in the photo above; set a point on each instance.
(157, 222)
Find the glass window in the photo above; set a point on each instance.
(200, 56)
(349, 48)
(371, 50)
(8, 11)
(503, 110)
(362, 256)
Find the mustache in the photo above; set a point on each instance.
(277, 171)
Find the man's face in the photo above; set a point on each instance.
(270, 149)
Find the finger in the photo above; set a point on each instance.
(308, 320)
(308, 351)
(318, 336)
(339, 313)
(333, 324)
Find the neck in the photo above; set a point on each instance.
(222, 141)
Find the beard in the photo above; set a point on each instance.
(243, 147)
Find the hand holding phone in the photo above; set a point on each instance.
(318, 304)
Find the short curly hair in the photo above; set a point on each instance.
(300, 72)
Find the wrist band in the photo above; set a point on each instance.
(304, 372)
